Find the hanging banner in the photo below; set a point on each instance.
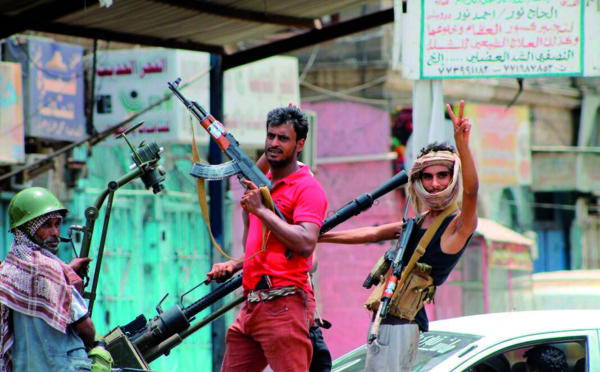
(511, 256)
(53, 86)
(12, 136)
(501, 143)
(501, 38)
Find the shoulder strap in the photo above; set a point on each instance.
(434, 227)
(200, 187)
(424, 242)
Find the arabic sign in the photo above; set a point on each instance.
(53, 83)
(509, 256)
(501, 143)
(127, 81)
(500, 38)
(252, 90)
(12, 137)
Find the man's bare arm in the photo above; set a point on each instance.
(465, 224)
(263, 164)
(363, 235)
(301, 238)
(87, 332)
(222, 271)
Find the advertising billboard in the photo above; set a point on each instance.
(53, 87)
(12, 131)
(487, 38)
(128, 81)
(501, 143)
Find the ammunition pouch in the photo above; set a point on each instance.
(408, 300)
(101, 360)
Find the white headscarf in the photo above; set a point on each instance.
(439, 201)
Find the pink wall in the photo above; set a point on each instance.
(343, 268)
(346, 128)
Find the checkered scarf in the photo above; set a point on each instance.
(439, 201)
(34, 282)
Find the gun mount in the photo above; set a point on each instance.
(140, 342)
(145, 167)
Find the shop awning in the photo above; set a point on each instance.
(506, 248)
(493, 231)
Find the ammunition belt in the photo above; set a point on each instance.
(270, 294)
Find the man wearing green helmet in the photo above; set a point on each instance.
(44, 321)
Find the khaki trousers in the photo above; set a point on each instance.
(395, 350)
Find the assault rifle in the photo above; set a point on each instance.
(240, 164)
(140, 342)
(394, 273)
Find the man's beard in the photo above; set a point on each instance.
(280, 163)
(52, 249)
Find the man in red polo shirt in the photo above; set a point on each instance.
(273, 326)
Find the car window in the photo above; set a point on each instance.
(568, 355)
(434, 348)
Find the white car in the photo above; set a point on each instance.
(468, 343)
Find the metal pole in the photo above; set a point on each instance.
(217, 203)
(91, 130)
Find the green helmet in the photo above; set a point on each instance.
(31, 203)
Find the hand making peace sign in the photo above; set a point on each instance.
(462, 126)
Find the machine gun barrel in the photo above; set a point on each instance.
(176, 339)
(175, 319)
(213, 297)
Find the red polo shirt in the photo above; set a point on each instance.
(300, 198)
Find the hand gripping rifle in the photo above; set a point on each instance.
(394, 273)
(140, 342)
(240, 164)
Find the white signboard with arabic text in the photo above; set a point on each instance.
(252, 90)
(501, 38)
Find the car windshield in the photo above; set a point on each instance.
(434, 348)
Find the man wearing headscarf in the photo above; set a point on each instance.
(45, 324)
(439, 176)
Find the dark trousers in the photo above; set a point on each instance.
(321, 358)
